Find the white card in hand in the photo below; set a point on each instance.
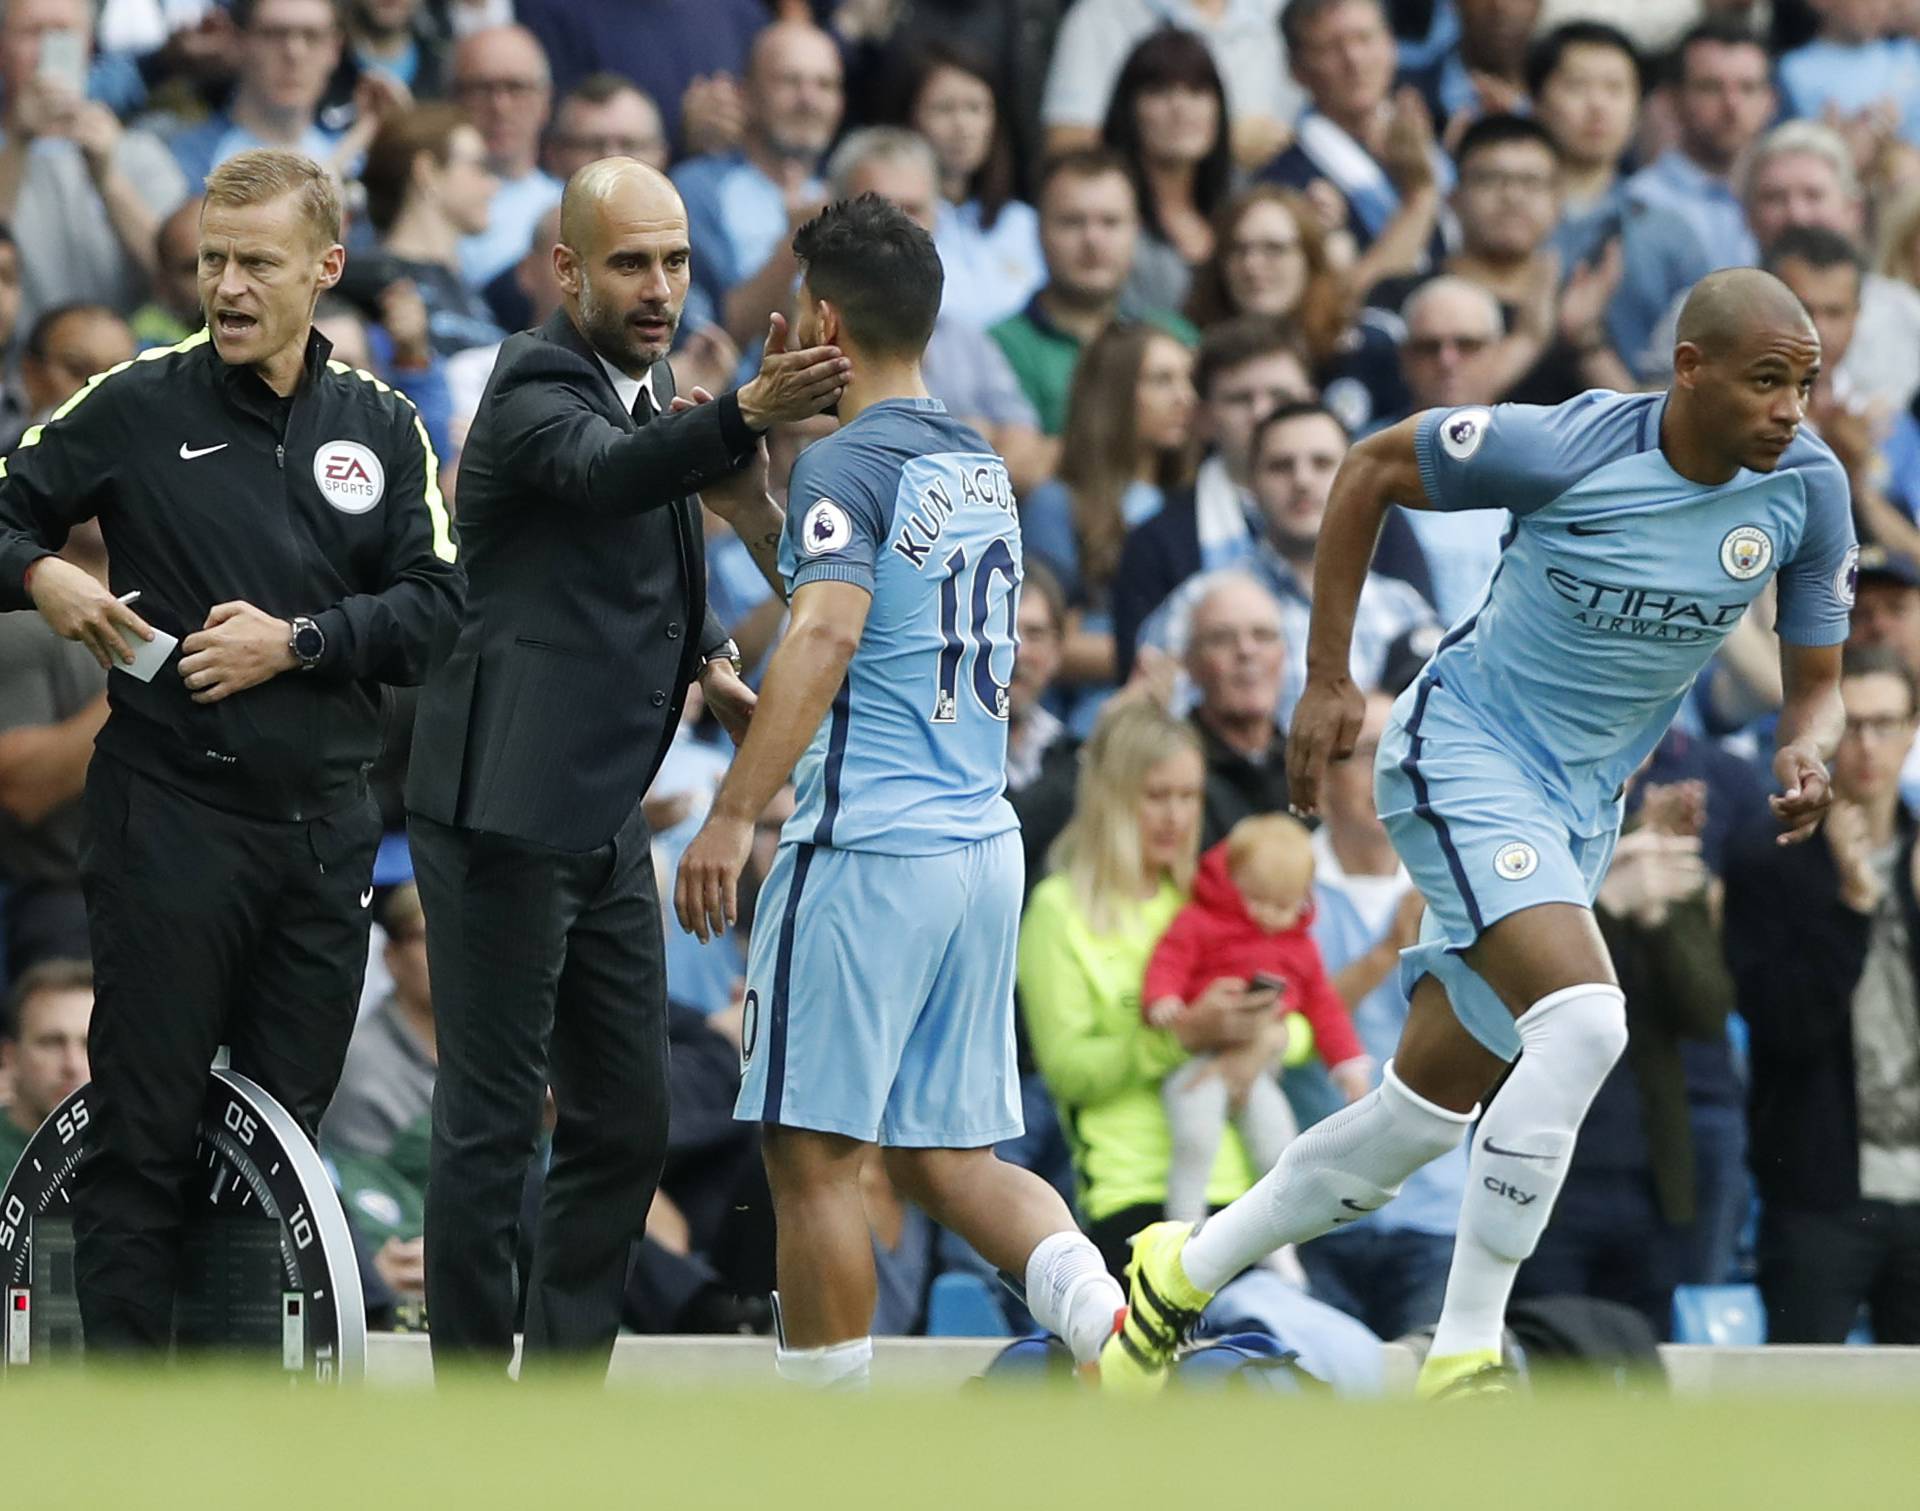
(148, 655)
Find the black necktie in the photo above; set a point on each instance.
(643, 409)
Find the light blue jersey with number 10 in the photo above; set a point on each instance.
(914, 506)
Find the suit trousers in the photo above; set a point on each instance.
(208, 928)
(548, 969)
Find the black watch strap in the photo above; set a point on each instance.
(728, 650)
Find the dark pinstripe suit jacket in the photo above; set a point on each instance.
(586, 607)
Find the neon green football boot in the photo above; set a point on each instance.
(1163, 1307)
(1460, 1377)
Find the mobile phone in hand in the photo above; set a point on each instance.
(63, 60)
(1267, 984)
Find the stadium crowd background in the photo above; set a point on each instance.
(1193, 247)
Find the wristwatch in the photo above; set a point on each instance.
(308, 642)
(727, 651)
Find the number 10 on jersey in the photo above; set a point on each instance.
(971, 585)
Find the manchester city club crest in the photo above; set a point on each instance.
(1516, 862)
(1746, 552)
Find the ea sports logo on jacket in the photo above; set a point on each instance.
(349, 476)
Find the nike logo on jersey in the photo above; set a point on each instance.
(1592, 530)
(366, 898)
(187, 453)
(1492, 1148)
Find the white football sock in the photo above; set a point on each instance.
(1071, 1294)
(1334, 1173)
(1569, 1042)
(1195, 1099)
(1267, 1125)
(838, 1366)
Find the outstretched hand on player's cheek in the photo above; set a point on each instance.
(1805, 793)
(706, 892)
(1326, 726)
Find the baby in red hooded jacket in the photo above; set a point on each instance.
(1247, 921)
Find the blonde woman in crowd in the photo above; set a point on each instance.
(1120, 872)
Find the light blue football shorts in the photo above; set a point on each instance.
(1481, 839)
(880, 995)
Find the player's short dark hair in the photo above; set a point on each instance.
(1817, 246)
(1504, 130)
(1079, 162)
(1880, 661)
(1243, 339)
(1287, 413)
(41, 331)
(878, 268)
(1546, 55)
(58, 975)
(1297, 15)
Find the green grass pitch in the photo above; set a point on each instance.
(191, 1441)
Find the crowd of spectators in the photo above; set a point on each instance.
(1193, 249)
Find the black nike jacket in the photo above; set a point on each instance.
(209, 488)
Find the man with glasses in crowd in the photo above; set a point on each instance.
(1236, 657)
(288, 51)
(605, 115)
(1453, 329)
(500, 80)
(1550, 340)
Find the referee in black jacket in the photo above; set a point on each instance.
(533, 747)
(279, 515)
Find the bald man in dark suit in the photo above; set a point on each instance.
(536, 738)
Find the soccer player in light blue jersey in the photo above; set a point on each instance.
(1644, 527)
(879, 1005)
